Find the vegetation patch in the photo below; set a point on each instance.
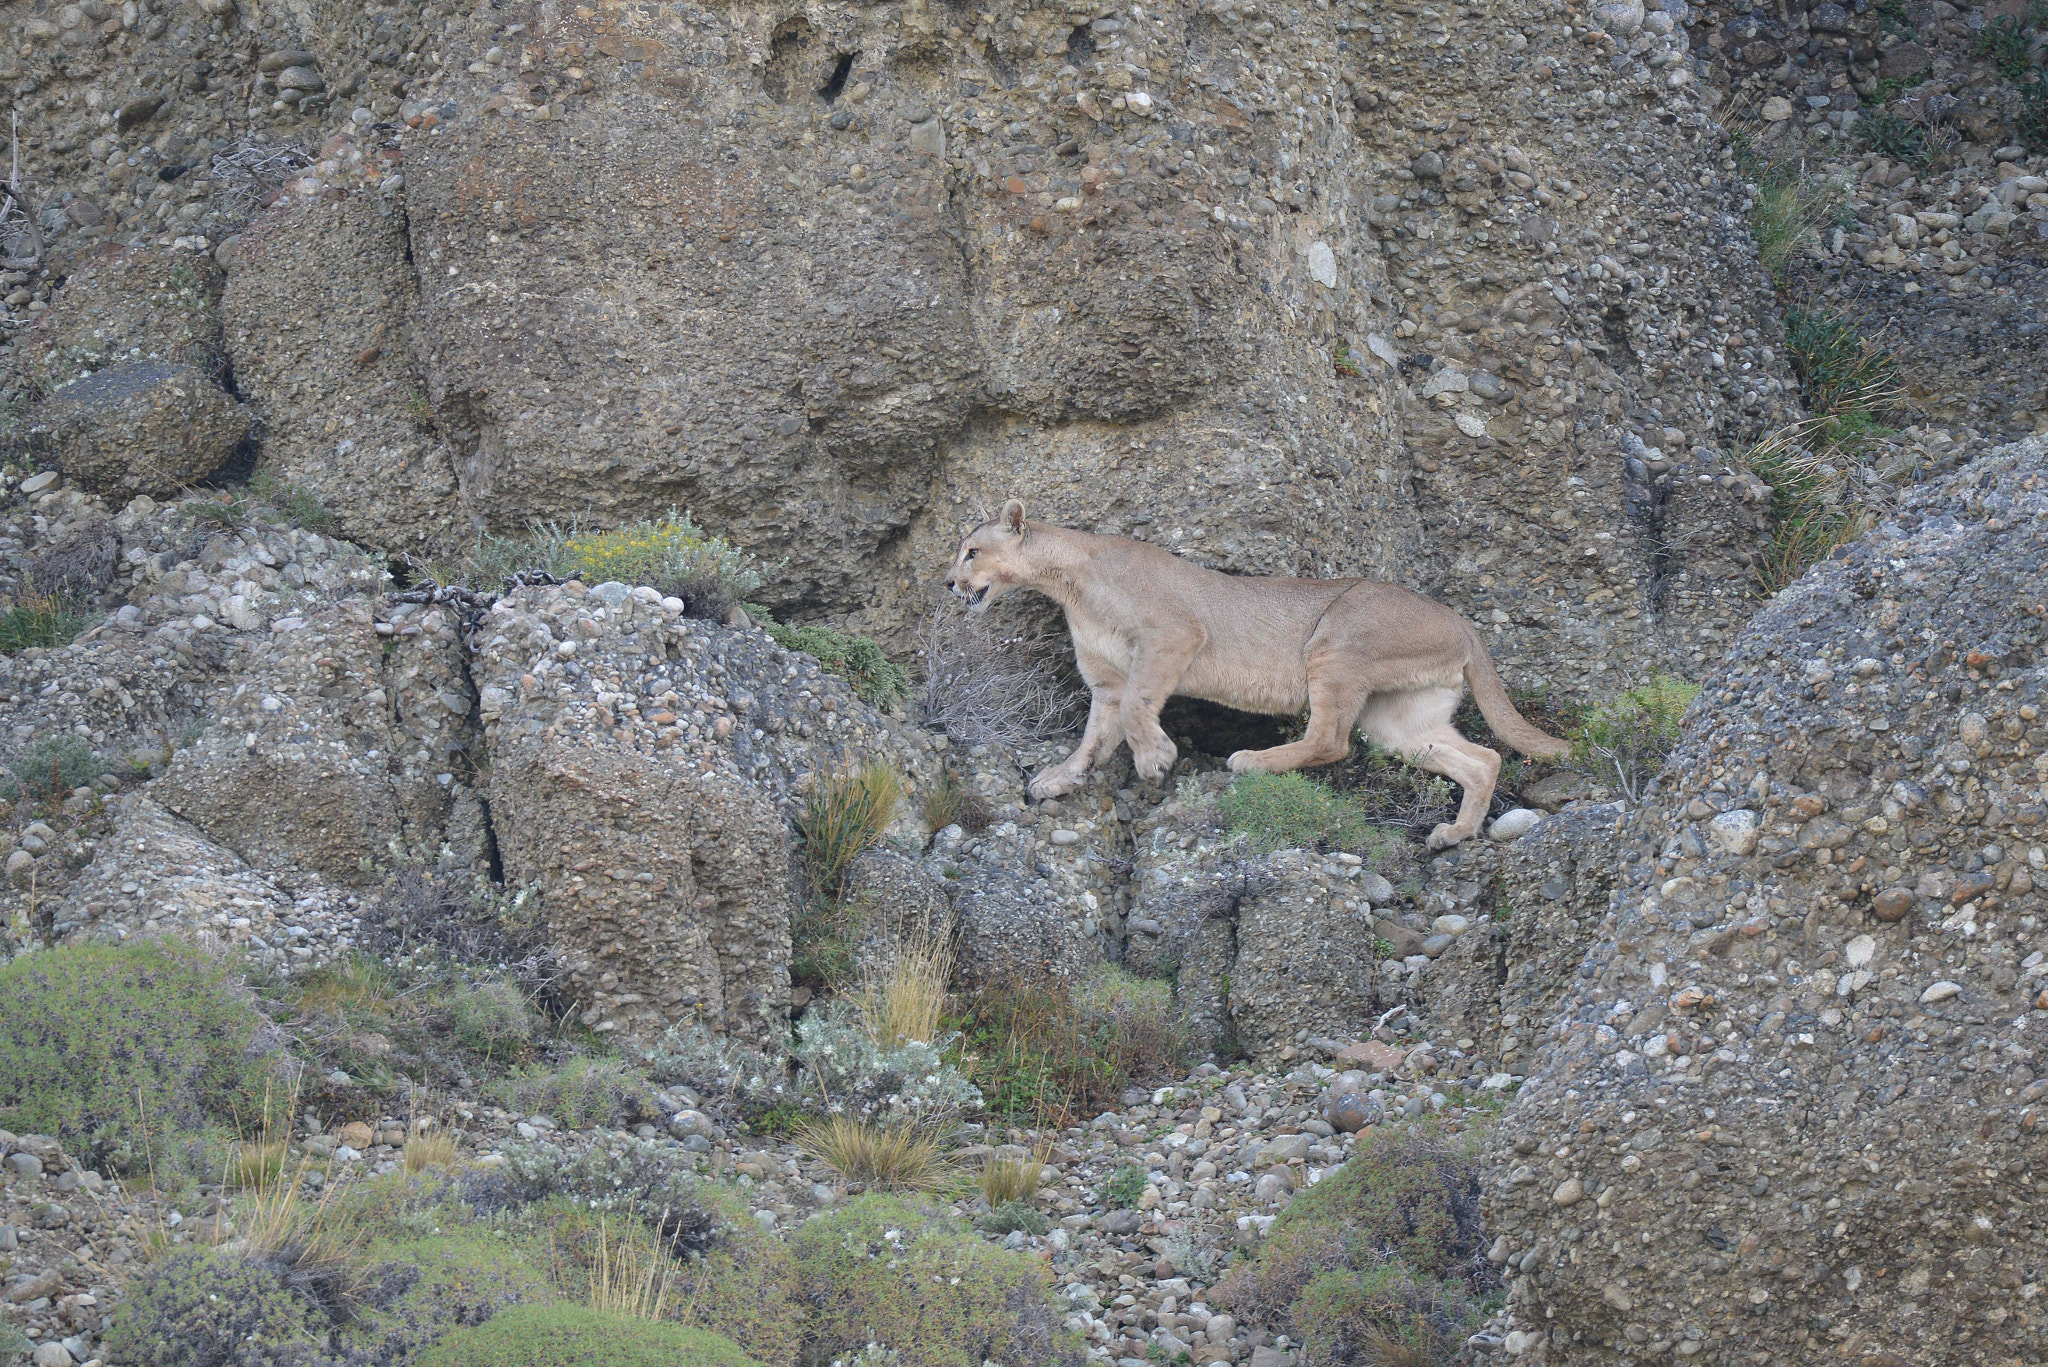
(50, 768)
(1292, 811)
(844, 816)
(42, 621)
(880, 681)
(574, 1336)
(414, 1290)
(671, 554)
(110, 1046)
(578, 1093)
(1039, 1047)
(886, 1270)
(1627, 739)
(215, 1308)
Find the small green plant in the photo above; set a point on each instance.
(1892, 135)
(50, 768)
(2004, 41)
(1125, 1187)
(421, 410)
(948, 802)
(1292, 811)
(1891, 18)
(1839, 369)
(822, 934)
(42, 620)
(1628, 738)
(1043, 1047)
(2031, 126)
(1014, 1216)
(580, 1093)
(15, 1346)
(295, 504)
(492, 1018)
(1344, 363)
(670, 554)
(844, 815)
(880, 681)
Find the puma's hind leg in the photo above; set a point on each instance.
(1416, 725)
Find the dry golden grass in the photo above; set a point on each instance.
(1011, 1179)
(844, 815)
(905, 1001)
(630, 1277)
(252, 1163)
(426, 1148)
(903, 1156)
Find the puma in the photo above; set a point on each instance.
(1355, 652)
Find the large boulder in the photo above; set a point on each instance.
(646, 770)
(134, 304)
(336, 751)
(318, 316)
(142, 427)
(1790, 1107)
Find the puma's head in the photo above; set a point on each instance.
(991, 561)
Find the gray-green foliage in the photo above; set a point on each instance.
(1293, 811)
(50, 767)
(214, 1308)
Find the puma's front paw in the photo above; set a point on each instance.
(1445, 836)
(1152, 761)
(1057, 781)
(1245, 762)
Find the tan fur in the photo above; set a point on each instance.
(1354, 652)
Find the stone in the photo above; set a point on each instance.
(355, 1134)
(1514, 824)
(132, 305)
(1733, 832)
(1350, 1112)
(1322, 265)
(142, 427)
(1892, 904)
(1776, 109)
(24, 1165)
(1552, 792)
(1940, 992)
(1371, 1056)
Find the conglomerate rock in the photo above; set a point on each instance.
(1791, 1103)
(142, 427)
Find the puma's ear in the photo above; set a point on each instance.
(1013, 517)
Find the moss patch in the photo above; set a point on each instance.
(890, 1271)
(416, 1290)
(211, 1308)
(744, 1285)
(570, 1336)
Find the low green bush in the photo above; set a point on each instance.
(1126, 1186)
(1042, 1046)
(890, 1271)
(1626, 740)
(1293, 811)
(879, 681)
(214, 1308)
(670, 554)
(571, 1336)
(107, 1046)
(743, 1284)
(492, 1017)
(1382, 1253)
(1012, 1217)
(413, 1291)
(51, 768)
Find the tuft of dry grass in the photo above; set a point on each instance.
(948, 802)
(428, 1148)
(251, 1164)
(983, 687)
(631, 1277)
(845, 815)
(907, 1157)
(1011, 1179)
(905, 1001)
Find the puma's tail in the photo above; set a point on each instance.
(1494, 704)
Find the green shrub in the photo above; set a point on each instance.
(15, 1346)
(491, 1017)
(2004, 41)
(214, 1308)
(1405, 1197)
(1838, 368)
(571, 1336)
(1384, 1314)
(42, 620)
(51, 768)
(654, 1183)
(879, 681)
(1292, 811)
(1627, 739)
(1044, 1046)
(580, 1093)
(413, 1291)
(100, 1044)
(1125, 1187)
(890, 1271)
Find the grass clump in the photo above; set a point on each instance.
(1013, 1217)
(1292, 811)
(1627, 739)
(948, 802)
(105, 1045)
(43, 621)
(51, 768)
(2004, 41)
(1004, 1180)
(880, 681)
(887, 1270)
(1838, 368)
(844, 815)
(414, 1289)
(574, 1336)
(898, 1154)
(1037, 1046)
(492, 1018)
(1378, 1262)
(1892, 135)
(1790, 204)
(903, 1002)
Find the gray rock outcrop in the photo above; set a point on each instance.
(142, 427)
(1790, 1105)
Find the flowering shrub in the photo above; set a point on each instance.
(848, 1071)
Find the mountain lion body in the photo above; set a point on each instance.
(1354, 652)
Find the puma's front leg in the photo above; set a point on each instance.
(1153, 677)
(1101, 735)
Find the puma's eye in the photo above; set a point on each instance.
(970, 553)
